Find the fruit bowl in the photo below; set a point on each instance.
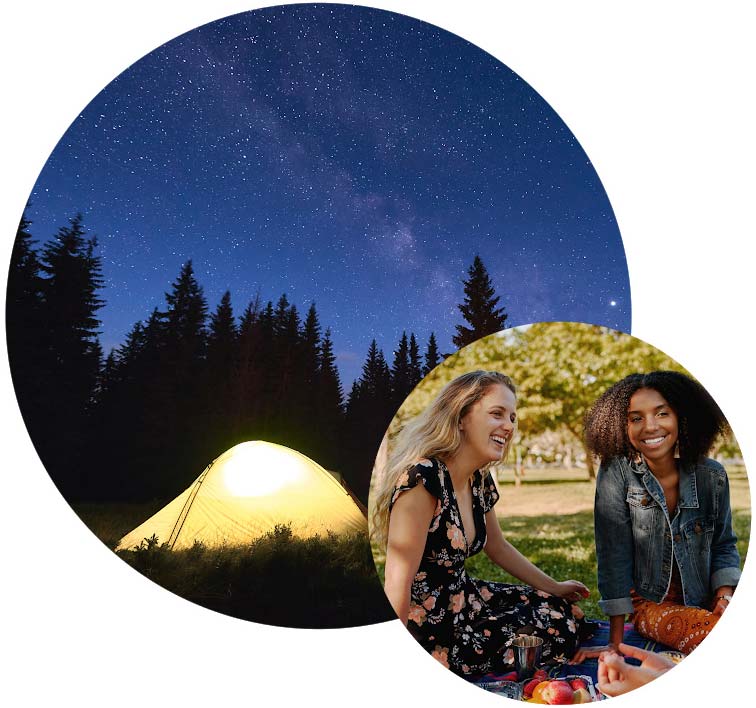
(567, 690)
(541, 689)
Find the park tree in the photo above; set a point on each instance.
(561, 368)
(479, 307)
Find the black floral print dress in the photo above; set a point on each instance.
(465, 623)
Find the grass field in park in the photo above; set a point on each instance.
(549, 518)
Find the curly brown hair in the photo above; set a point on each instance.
(700, 420)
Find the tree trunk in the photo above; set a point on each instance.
(589, 463)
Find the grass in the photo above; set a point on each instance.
(278, 579)
(549, 518)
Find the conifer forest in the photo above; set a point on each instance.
(192, 379)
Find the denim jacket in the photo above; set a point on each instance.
(637, 541)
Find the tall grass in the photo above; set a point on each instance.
(278, 579)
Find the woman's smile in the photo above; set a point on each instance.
(488, 425)
(652, 426)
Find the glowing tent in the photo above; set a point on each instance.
(244, 493)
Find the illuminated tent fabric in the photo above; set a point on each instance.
(244, 493)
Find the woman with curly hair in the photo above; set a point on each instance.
(664, 541)
(434, 509)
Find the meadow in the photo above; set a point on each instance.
(548, 516)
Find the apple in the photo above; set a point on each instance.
(538, 691)
(557, 693)
(581, 695)
(578, 683)
(527, 690)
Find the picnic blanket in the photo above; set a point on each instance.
(589, 667)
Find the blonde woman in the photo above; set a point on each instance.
(435, 509)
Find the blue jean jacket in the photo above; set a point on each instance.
(637, 541)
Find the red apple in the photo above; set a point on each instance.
(557, 693)
(527, 690)
(578, 683)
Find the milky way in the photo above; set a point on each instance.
(345, 156)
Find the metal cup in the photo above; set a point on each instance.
(527, 655)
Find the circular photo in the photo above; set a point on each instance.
(559, 512)
(221, 248)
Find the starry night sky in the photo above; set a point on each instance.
(345, 156)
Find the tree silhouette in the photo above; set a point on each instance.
(369, 411)
(400, 373)
(330, 406)
(415, 364)
(70, 351)
(479, 308)
(23, 324)
(432, 356)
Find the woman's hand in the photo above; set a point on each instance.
(572, 590)
(721, 600)
(615, 676)
(591, 653)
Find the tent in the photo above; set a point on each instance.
(244, 493)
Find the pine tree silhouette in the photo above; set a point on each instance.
(432, 356)
(479, 308)
(415, 364)
(24, 326)
(369, 411)
(400, 373)
(70, 353)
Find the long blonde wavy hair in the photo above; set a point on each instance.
(434, 433)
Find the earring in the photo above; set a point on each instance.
(677, 450)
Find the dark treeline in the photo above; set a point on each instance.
(188, 383)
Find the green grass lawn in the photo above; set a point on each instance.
(549, 518)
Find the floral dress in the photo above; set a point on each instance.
(465, 623)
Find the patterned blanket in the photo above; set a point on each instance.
(590, 666)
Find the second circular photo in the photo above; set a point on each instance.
(559, 513)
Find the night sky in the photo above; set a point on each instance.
(345, 156)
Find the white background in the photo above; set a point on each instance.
(659, 95)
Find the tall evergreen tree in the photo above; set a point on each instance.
(185, 320)
(415, 364)
(310, 340)
(71, 351)
(220, 374)
(400, 373)
(330, 411)
(247, 391)
(221, 340)
(23, 323)
(369, 411)
(479, 308)
(179, 393)
(432, 356)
